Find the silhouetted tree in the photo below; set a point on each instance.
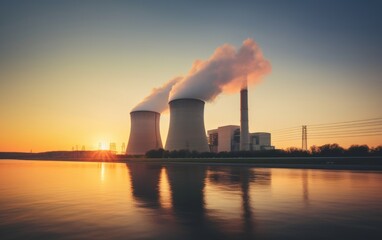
(377, 151)
(314, 150)
(331, 150)
(156, 153)
(358, 150)
(296, 152)
(207, 155)
(327, 150)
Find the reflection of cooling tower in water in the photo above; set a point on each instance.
(145, 182)
(144, 132)
(187, 189)
(187, 126)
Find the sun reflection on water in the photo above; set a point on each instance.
(103, 171)
(164, 190)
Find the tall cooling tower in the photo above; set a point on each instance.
(187, 126)
(144, 132)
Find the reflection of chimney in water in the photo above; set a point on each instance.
(245, 176)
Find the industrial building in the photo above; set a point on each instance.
(227, 139)
(224, 139)
(260, 141)
(233, 138)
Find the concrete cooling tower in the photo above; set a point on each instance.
(144, 132)
(187, 126)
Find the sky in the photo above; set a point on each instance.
(71, 71)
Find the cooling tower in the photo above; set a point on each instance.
(144, 132)
(244, 129)
(187, 126)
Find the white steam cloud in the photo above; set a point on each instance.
(157, 101)
(227, 70)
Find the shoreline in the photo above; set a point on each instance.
(326, 163)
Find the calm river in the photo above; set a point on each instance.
(80, 200)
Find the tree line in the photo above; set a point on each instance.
(327, 150)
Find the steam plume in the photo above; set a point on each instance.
(157, 101)
(227, 70)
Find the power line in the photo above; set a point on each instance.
(352, 125)
(355, 121)
(346, 129)
(348, 136)
(346, 132)
(284, 134)
(288, 136)
(329, 134)
(284, 140)
(325, 137)
(285, 129)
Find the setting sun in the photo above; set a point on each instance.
(103, 146)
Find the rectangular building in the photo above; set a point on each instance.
(227, 139)
(224, 139)
(260, 141)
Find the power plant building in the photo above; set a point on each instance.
(260, 141)
(232, 138)
(227, 139)
(224, 139)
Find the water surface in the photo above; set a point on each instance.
(84, 200)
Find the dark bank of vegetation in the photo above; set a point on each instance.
(327, 150)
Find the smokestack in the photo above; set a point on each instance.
(244, 129)
(187, 131)
(144, 132)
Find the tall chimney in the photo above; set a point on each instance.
(244, 129)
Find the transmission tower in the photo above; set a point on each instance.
(304, 138)
(113, 148)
